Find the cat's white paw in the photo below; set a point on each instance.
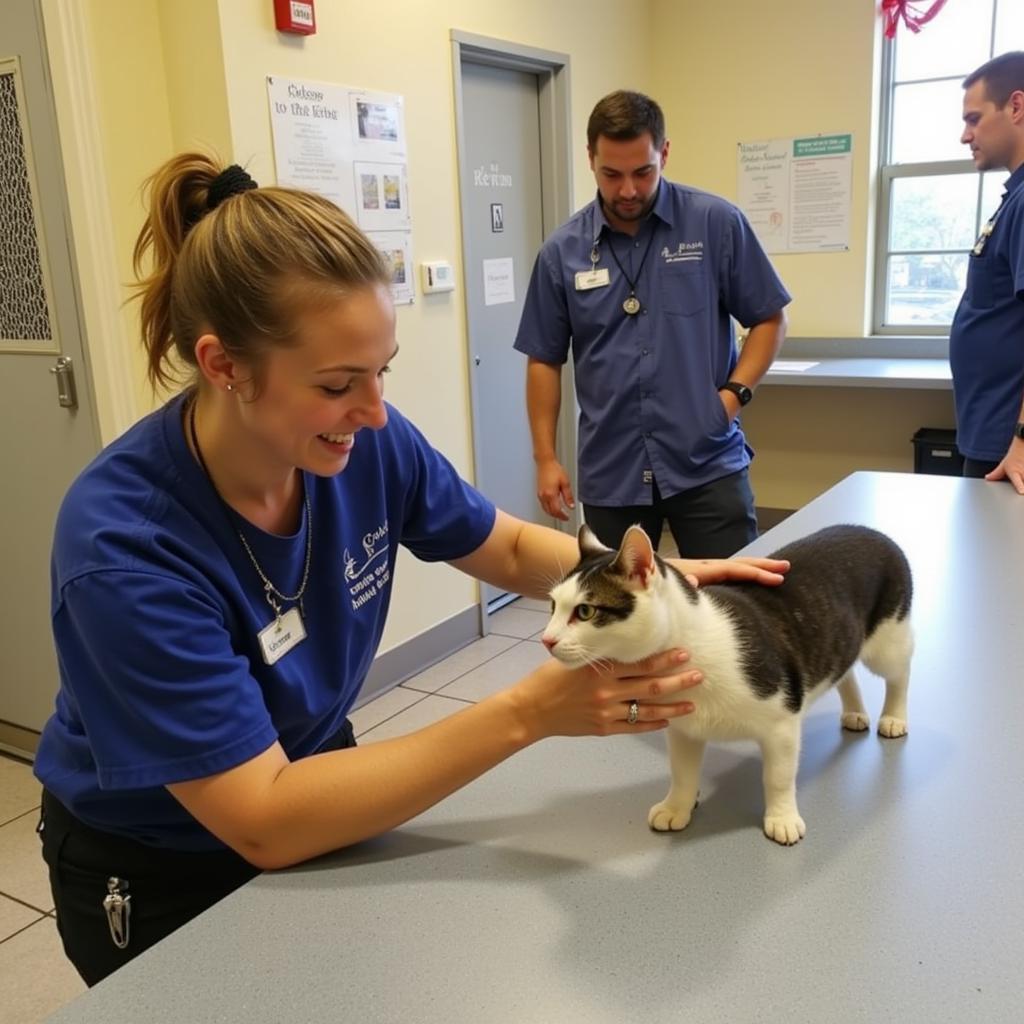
(855, 721)
(786, 829)
(666, 817)
(892, 727)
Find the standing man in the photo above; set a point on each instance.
(640, 284)
(986, 341)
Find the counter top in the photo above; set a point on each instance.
(917, 364)
(538, 894)
(915, 374)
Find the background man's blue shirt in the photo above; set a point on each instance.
(647, 385)
(986, 340)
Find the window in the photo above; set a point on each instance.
(932, 202)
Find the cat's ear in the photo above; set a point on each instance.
(635, 559)
(589, 544)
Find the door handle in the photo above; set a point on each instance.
(65, 375)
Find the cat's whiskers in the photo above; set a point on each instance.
(548, 582)
(595, 661)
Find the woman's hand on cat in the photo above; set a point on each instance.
(556, 700)
(702, 571)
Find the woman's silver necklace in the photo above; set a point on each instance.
(288, 628)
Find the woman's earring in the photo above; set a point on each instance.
(231, 387)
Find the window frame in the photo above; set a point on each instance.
(889, 172)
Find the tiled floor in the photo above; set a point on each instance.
(36, 979)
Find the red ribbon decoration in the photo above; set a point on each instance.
(909, 11)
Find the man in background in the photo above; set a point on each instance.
(640, 285)
(986, 340)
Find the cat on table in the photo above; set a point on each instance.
(766, 653)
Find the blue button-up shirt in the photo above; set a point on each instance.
(986, 340)
(647, 385)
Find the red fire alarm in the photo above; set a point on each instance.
(295, 16)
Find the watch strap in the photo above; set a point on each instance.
(741, 391)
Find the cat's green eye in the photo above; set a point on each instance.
(585, 612)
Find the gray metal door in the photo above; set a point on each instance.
(503, 230)
(43, 444)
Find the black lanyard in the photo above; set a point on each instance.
(632, 304)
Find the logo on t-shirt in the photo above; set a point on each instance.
(684, 252)
(368, 574)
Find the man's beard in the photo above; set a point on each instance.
(636, 213)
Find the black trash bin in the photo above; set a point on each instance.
(935, 452)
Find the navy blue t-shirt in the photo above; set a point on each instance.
(157, 609)
(986, 340)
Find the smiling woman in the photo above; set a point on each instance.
(295, 405)
(222, 574)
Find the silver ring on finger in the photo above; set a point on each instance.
(634, 712)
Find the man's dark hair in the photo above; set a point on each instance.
(1002, 76)
(626, 115)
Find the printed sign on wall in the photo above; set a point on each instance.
(796, 192)
(348, 145)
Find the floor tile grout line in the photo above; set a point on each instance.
(31, 924)
(432, 693)
(521, 641)
(18, 899)
(366, 732)
(407, 685)
(17, 817)
(388, 719)
(11, 821)
(426, 693)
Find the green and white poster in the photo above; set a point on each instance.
(796, 192)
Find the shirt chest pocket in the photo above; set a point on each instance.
(683, 287)
(980, 273)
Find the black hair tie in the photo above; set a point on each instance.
(228, 183)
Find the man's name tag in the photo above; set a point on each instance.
(587, 279)
(281, 636)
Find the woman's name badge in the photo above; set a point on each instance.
(587, 279)
(281, 636)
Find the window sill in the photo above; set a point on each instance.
(918, 363)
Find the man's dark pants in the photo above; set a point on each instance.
(714, 520)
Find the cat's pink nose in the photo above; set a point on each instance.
(548, 642)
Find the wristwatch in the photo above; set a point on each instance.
(1018, 431)
(741, 391)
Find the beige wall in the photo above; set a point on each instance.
(173, 74)
(808, 438)
(194, 66)
(728, 72)
(743, 70)
(131, 86)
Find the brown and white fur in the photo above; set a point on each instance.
(765, 652)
